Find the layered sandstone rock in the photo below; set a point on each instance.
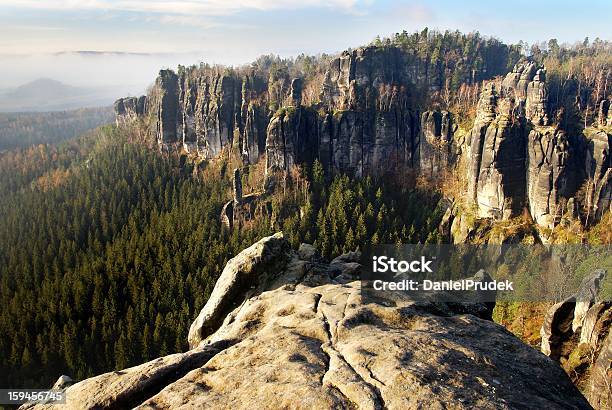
(437, 151)
(291, 138)
(166, 108)
(497, 156)
(130, 108)
(551, 175)
(577, 332)
(598, 169)
(517, 161)
(284, 330)
(368, 121)
(526, 86)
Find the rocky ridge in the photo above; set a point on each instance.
(368, 121)
(282, 329)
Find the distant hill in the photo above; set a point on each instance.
(45, 94)
(18, 130)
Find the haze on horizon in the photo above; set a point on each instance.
(133, 39)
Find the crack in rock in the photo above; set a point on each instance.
(340, 374)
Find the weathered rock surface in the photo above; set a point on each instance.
(598, 169)
(437, 151)
(367, 120)
(497, 156)
(129, 108)
(284, 332)
(526, 86)
(604, 113)
(291, 138)
(576, 332)
(517, 160)
(63, 382)
(238, 277)
(551, 175)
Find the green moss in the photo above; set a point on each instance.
(578, 359)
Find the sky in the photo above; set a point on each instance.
(38, 38)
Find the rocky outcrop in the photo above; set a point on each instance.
(525, 87)
(516, 160)
(496, 170)
(576, 332)
(63, 382)
(284, 330)
(241, 274)
(604, 114)
(242, 209)
(599, 174)
(500, 181)
(129, 108)
(165, 107)
(437, 152)
(204, 109)
(368, 121)
(291, 138)
(551, 175)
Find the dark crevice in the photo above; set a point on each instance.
(318, 298)
(153, 384)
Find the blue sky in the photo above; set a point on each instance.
(235, 32)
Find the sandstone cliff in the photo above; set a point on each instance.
(371, 118)
(518, 160)
(284, 330)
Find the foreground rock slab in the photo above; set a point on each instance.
(309, 340)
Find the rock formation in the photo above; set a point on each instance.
(599, 174)
(243, 208)
(525, 86)
(551, 175)
(129, 108)
(237, 186)
(165, 106)
(517, 160)
(577, 332)
(497, 155)
(437, 151)
(367, 121)
(284, 330)
(604, 114)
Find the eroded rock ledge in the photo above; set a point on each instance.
(283, 330)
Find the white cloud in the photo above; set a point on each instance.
(181, 7)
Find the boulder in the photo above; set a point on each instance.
(251, 268)
(307, 252)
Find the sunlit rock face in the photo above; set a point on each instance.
(496, 169)
(282, 329)
(365, 116)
